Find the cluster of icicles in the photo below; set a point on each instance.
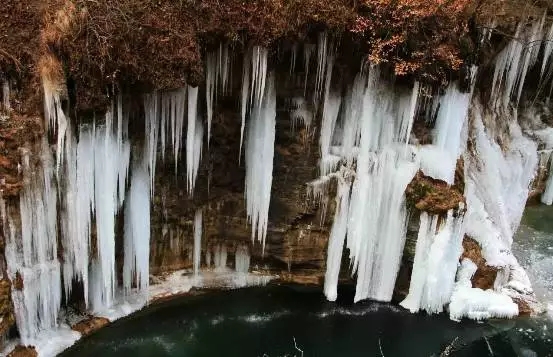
(366, 147)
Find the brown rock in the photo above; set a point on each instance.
(431, 195)
(485, 275)
(23, 351)
(524, 308)
(18, 282)
(88, 326)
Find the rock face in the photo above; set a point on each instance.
(7, 318)
(297, 233)
(22, 351)
(88, 326)
(485, 275)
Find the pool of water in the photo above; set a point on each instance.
(298, 321)
(282, 320)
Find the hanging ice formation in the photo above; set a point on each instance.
(337, 237)
(259, 159)
(437, 252)
(164, 114)
(197, 241)
(514, 61)
(216, 78)
(137, 230)
(371, 132)
(194, 136)
(440, 159)
(33, 258)
(254, 74)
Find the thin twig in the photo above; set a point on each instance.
(297, 348)
(380, 347)
(447, 351)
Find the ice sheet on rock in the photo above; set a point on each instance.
(475, 303)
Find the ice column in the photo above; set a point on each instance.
(436, 255)
(259, 161)
(336, 241)
(34, 260)
(136, 270)
(194, 138)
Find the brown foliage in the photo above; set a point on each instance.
(419, 37)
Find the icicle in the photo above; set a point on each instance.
(336, 241)
(322, 66)
(194, 138)
(331, 108)
(137, 230)
(224, 67)
(197, 241)
(259, 75)
(513, 63)
(293, 56)
(55, 117)
(245, 94)
(408, 112)
(259, 161)
(210, 88)
(548, 49)
(308, 50)
(151, 119)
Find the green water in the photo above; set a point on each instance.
(274, 320)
